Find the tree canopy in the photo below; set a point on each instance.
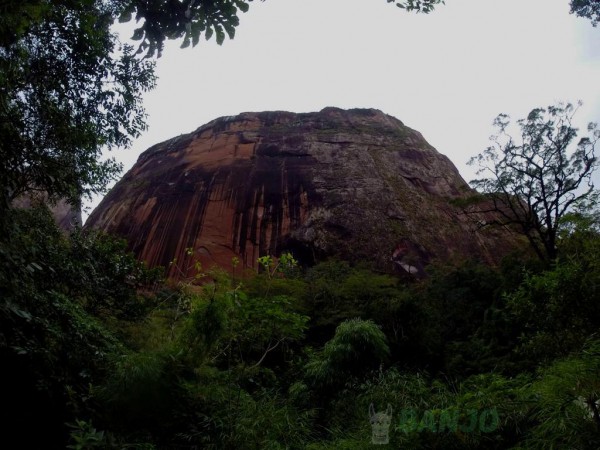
(537, 178)
(69, 90)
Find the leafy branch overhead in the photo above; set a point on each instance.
(163, 20)
(589, 9)
(187, 19)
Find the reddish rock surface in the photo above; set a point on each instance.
(357, 184)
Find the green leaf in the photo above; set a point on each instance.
(243, 6)
(230, 29)
(220, 34)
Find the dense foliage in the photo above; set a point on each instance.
(61, 299)
(100, 353)
(68, 91)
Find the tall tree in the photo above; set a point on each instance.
(68, 91)
(535, 179)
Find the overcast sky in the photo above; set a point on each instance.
(447, 74)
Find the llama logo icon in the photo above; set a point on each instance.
(380, 424)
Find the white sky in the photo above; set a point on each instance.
(447, 74)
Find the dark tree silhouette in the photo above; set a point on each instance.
(534, 180)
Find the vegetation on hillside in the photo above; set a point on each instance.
(100, 353)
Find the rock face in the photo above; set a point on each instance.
(356, 184)
(66, 216)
